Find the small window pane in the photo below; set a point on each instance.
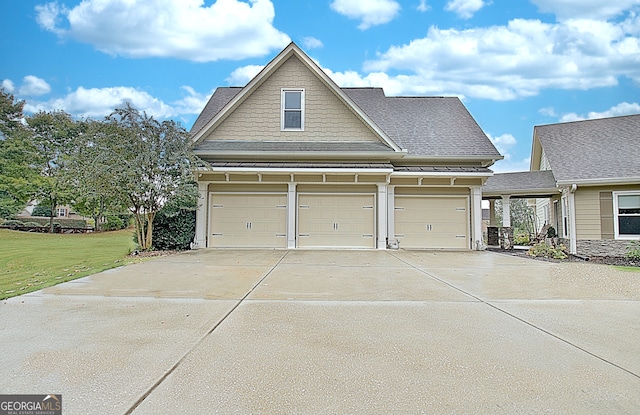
(293, 119)
(629, 204)
(293, 100)
(629, 225)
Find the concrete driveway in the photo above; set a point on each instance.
(337, 332)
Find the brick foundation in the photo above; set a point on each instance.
(604, 247)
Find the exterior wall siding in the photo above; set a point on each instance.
(326, 117)
(588, 213)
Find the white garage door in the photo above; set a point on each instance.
(432, 222)
(336, 220)
(248, 220)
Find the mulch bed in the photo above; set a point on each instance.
(607, 260)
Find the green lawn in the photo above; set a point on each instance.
(32, 261)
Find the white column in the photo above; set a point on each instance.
(573, 240)
(382, 216)
(506, 212)
(292, 206)
(201, 216)
(476, 218)
(391, 210)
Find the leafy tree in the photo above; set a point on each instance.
(150, 163)
(16, 172)
(53, 135)
(90, 174)
(521, 215)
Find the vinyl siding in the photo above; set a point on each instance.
(326, 117)
(588, 213)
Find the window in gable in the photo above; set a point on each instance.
(626, 208)
(293, 109)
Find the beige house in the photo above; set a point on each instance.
(585, 179)
(297, 162)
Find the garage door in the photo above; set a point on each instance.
(432, 222)
(248, 220)
(336, 220)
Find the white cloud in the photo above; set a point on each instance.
(423, 6)
(193, 103)
(243, 75)
(504, 143)
(465, 9)
(311, 43)
(512, 61)
(624, 108)
(510, 166)
(34, 86)
(99, 102)
(369, 12)
(183, 29)
(581, 9)
(548, 112)
(8, 85)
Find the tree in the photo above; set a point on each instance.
(17, 175)
(91, 176)
(150, 163)
(53, 135)
(521, 215)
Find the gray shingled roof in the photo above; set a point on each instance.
(425, 126)
(521, 183)
(218, 100)
(607, 148)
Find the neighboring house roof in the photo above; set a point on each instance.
(521, 184)
(426, 127)
(603, 150)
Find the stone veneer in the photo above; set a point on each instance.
(604, 247)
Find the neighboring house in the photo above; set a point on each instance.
(66, 212)
(585, 177)
(297, 162)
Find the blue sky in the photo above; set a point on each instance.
(514, 63)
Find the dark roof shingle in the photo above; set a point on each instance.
(607, 148)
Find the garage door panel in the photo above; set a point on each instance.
(432, 222)
(248, 220)
(336, 220)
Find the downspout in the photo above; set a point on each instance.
(573, 242)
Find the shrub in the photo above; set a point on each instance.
(174, 229)
(32, 224)
(521, 239)
(551, 232)
(543, 250)
(42, 210)
(113, 223)
(13, 222)
(633, 251)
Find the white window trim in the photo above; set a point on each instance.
(615, 215)
(283, 90)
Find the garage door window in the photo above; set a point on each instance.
(627, 212)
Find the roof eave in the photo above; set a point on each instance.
(306, 155)
(600, 181)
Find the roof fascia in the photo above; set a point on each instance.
(485, 162)
(276, 155)
(440, 174)
(367, 170)
(521, 192)
(601, 182)
(536, 152)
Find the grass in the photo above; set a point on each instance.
(628, 269)
(33, 261)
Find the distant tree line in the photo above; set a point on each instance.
(127, 161)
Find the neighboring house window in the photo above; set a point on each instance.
(293, 109)
(626, 209)
(62, 212)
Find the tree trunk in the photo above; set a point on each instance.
(51, 215)
(149, 241)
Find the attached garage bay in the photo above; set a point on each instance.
(336, 220)
(440, 222)
(240, 220)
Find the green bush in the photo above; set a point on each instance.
(32, 224)
(113, 223)
(633, 251)
(551, 232)
(543, 250)
(42, 210)
(174, 229)
(60, 222)
(13, 222)
(521, 239)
